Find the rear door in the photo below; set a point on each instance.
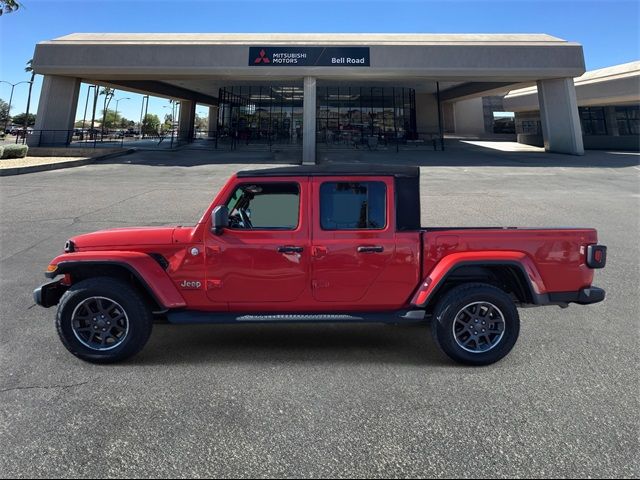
(353, 238)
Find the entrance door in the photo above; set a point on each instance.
(353, 237)
(263, 257)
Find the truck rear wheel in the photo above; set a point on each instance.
(103, 320)
(476, 324)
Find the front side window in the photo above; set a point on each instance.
(353, 205)
(268, 206)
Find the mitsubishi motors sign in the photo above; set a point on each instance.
(309, 56)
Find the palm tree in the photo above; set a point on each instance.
(29, 69)
(8, 6)
(108, 95)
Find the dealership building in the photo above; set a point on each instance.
(316, 89)
(608, 108)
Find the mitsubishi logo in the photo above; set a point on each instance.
(262, 58)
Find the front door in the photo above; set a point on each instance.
(353, 239)
(262, 257)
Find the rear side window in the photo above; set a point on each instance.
(353, 205)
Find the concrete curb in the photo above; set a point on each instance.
(5, 172)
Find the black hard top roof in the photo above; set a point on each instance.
(334, 169)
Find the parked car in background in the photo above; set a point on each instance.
(21, 133)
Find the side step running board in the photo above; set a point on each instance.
(199, 317)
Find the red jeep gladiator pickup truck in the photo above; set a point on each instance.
(334, 243)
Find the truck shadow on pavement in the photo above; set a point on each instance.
(292, 343)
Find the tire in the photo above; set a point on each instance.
(130, 320)
(458, 327)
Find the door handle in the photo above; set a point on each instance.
(370, 249)
(290, 249)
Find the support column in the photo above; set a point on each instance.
(559, 116)
(187, 120)
(309, 122)
(56, 111)
(213, 121)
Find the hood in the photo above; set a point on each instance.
(125, 237)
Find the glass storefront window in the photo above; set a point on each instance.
(349, 115)
(261, 114)
(628, 119)
(530, 127)
(592, 120)
(344, 114)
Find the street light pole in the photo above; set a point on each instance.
(124, 98)
(116, 117)
(202, 117)
(146, 110)
(173, 120)
(145, 98)
(93, 115)
(172, 106)
(86, 104)
(13, 85)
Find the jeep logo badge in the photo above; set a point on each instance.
(190, 285)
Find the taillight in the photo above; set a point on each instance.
(596, 256)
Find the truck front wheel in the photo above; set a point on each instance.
(103, 320)
(476, 324)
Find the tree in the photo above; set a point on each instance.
(110, 119)
(8, 6)
(21, 119)
(4, 112)
(108, 95)
(29, 69)
(150, 124)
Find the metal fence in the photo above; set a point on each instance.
(229, 141)
(223, 140)
(97, 139)
(389, 141)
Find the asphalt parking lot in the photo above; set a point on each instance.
(324, 400)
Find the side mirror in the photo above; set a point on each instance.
(219, 219)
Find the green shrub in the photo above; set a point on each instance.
(14, 151)
(1, 150)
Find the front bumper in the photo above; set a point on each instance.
(49, 294)
(586, 296)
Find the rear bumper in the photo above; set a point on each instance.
(49, 294)
(586, 296)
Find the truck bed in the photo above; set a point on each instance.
(559, 254)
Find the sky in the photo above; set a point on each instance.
(607, 29)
